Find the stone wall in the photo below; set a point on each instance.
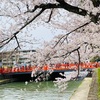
(93, 88)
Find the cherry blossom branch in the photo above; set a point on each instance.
(61, 4)
(68, 53)
(64, 5)
(96, 3)
(79, 60)
(7, 40)
(66, 35)
(50, 15)
(17, 41)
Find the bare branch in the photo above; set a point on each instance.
(17, 41)
(50, 15)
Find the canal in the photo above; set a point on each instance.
(36, 91)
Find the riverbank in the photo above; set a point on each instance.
(93, 92)
(4, 81)
(82, 92)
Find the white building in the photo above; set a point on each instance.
(17, 57)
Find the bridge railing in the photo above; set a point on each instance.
(46, 67)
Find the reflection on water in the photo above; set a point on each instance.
(36, 91)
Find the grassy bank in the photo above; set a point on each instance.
(98, 83)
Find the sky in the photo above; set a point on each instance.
(41, 33)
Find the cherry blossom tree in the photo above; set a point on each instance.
(80, 19)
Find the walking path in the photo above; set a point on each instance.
(82, 92)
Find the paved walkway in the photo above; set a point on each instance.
(82, 92)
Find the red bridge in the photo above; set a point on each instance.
(25, 71)
(68, 66)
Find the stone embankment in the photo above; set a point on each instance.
(4, 81)
(82, 92)
(87, 90)
(93, 88)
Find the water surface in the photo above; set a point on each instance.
(36, 91)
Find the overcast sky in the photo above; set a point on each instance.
(41, 33)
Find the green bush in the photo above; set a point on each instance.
(95, 59)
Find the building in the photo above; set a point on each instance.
(12, 58)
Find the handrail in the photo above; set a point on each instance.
(67, 66)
